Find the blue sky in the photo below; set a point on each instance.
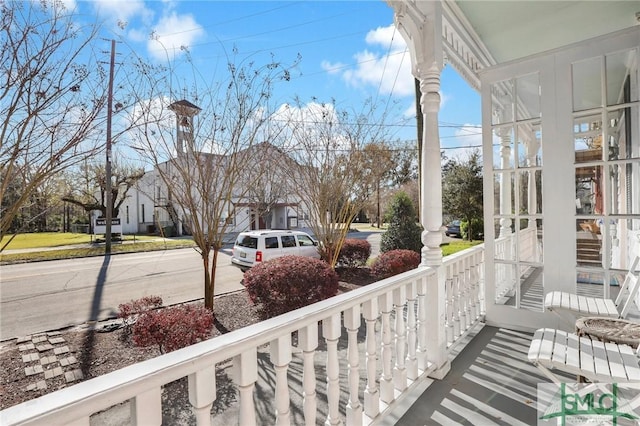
(349, 52)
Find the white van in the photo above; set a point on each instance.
(254, 247)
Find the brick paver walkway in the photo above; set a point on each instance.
(46, 356)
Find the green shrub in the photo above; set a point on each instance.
(173, 328)
(354, 253)
(403, 232)
(395, 262)
(477, 226)
(290, 282)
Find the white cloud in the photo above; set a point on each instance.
(332, 68)
(173, 32)
(120, 10)
(387, 65)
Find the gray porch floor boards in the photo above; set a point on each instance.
(491, 382)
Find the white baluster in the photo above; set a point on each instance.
(473, 290)
(280, 351)
(386, 380)
(400, 371)
(422, 323)
(469, 302)
(308, 342)
(371, 395)
(352, 324)
(436, 336)
(412, 361)
(456, 301)
(146, 408)
(449, 318)
(464, 294)
(202, 393)
(331, 330)
(245, 374)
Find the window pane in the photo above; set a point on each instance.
(624, 184)
(590, 283)
(589, 185)
(505, 242)
(587, 135)
(503, 154)
(529, 145)
(587, 91)
(530, 188)
(288, 241)
(624, 140)
(528, 92)
(502, 105)
(622, 68)
(588, 242)
(271, 242)
(505, 283)
(530, 240)
(503, 188)
(531, 291)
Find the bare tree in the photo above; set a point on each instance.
(93, 195)
(51, 99)
(378, 165)
(332, 176)
(206, 155)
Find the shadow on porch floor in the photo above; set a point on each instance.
(491, 382)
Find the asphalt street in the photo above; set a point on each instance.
(44, 296)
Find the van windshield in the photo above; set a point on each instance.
(247, 241)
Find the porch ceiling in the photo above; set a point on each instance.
(511, 30)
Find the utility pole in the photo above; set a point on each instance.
(107, 167)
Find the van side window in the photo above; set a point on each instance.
(303, 240)
(271, 242)
(288, 241)
(248, 242)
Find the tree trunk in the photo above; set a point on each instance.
(208, 285)
(212, 277)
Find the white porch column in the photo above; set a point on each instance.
(420, 24)
(431, 169)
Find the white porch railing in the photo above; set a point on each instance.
(382, 357)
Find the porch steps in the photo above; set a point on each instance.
(589, 251)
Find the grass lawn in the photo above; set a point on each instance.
(458, 245)
(44, 239)
(48, 240)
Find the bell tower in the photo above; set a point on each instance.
(185, 111)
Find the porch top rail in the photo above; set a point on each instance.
(105, 391)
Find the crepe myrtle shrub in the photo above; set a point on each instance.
(354, 253)
(290, 282)
(395, 262)
(130, 311)
(173, 328)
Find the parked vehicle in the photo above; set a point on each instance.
(258, 246)
(453, 229)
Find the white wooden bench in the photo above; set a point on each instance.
(570, 306)
(596, 361)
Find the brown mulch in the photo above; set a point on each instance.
(106, 348)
